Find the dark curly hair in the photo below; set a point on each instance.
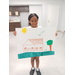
(32, 15)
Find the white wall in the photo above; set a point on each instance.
(24, 19)
(44, 9)
(61, 22)
(38, 10)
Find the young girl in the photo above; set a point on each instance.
(33, 21)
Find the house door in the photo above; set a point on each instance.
(52, 15)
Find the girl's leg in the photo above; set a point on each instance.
(37, 62)
(32, 61)
(37, 65)
(32, 69)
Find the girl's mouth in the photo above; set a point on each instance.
(34, 26)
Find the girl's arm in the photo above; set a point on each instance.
(56, 34)
(15, 33)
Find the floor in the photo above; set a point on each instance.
(49, 65)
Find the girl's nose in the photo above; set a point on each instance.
(34, 23)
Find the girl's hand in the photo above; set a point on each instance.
(56, 34)
(14, 33)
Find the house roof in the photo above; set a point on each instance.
(35, 41)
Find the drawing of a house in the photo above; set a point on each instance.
(33, 45)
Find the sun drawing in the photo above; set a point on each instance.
(24, 30)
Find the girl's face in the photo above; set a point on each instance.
(34, 21)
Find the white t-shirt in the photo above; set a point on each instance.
(36, 27)
(31, 27)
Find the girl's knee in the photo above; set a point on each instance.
(37, 58)
(32, 59)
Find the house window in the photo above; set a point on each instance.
(36, 47)
(25, 48)
(32, 48)
(40, 47)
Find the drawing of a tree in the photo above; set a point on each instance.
(50, 42)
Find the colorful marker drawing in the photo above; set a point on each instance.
(33, 45)
(41, 33)
(50, 42)
(24, 30)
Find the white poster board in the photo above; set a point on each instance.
(33, 42)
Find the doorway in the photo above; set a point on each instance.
(52, 15)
